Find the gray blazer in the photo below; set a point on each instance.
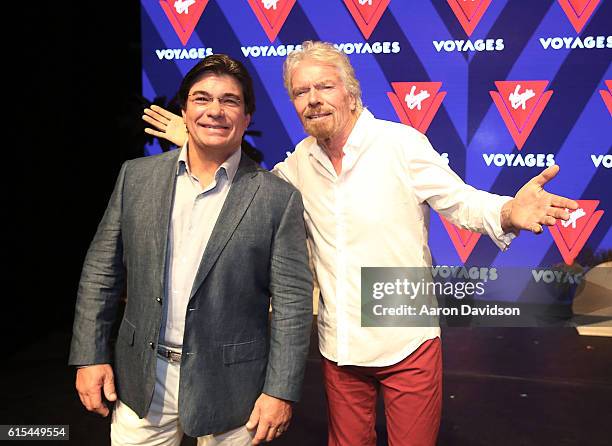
(231, 352)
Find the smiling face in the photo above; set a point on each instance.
(214, 114)
(322, 102)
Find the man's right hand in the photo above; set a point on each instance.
(90, 382)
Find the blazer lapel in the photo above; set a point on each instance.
(238, 199)
(163, 198)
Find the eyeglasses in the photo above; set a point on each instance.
(204, 100)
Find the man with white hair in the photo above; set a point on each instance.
(368, 186)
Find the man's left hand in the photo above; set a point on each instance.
(271, 417)
(533, 207)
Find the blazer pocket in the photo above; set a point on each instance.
(245, 351)
(127, 332)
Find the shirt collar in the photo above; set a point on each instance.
(182, 165)
(354, 144)
(230, 165)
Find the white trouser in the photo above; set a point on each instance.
(161, 426)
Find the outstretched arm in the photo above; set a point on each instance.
(533, 207)
(169, 126)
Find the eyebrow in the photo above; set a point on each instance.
(316, 84)
(225, 95)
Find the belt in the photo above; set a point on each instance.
(169, 355)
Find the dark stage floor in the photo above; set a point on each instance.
(501, 387)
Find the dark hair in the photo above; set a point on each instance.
(219, 64)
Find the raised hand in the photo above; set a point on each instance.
(533, 207)
(169, 126)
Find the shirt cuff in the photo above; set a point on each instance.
(492, 222)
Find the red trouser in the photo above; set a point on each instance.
(412, 392)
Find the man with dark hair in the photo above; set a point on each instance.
(203, 240)
(221, 65)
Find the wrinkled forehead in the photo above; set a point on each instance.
(313, 71)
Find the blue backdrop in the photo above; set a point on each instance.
(501, 88)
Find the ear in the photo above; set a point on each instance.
(248, 121)
(353, 103)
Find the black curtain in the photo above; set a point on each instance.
(75, 80)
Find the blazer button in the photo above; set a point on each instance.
(158, 299)
(152, 345)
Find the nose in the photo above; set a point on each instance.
(214, 109)
(313, 97)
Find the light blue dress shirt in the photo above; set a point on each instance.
(194, 213)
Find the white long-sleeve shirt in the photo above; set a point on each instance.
(376, 214)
